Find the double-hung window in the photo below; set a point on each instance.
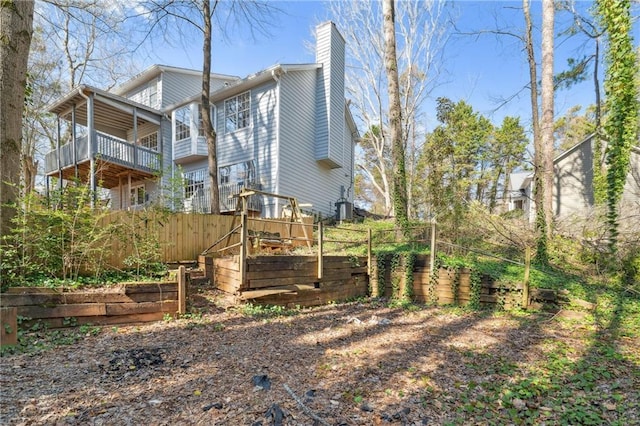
(150, 141)
(182, 118)
(194, 182)
(237, 112)
(137, 197)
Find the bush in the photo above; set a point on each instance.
(55, 243)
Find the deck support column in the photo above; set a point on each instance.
(128, 194)
(58, 153)
(135, 137)
(120, 191)
(74, 142)
(91, 149)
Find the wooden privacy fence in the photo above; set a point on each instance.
(175, 236)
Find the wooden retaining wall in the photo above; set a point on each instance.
(451, 287)
(126, 303)
(293, 280)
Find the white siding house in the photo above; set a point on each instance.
(284, 130)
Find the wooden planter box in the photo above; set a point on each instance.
(126, 303)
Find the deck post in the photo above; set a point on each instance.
(182, 290)
(91, 136)
(135, 137)
(74, 141)
(320, 249)
(58, 153)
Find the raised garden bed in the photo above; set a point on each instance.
(125, 303)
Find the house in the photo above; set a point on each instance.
(573, 190)
(283, 130)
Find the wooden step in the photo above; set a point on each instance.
(290, 289)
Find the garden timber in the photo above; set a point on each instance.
(293, 281)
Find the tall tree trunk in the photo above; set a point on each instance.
(16, 28)
(538, 186)
(547, 125)
(395, 118)
(205, 108)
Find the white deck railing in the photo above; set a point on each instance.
(107, 148)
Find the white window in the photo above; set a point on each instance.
(153, 94)
(150, 141)
(182, 125)
(237, 112)
(147, 95)
(194, 182)
(240, 173)
(138, 194)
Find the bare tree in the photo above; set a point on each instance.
(202, 16)
(74, 42)
(545, 167)
(395, 117)
(16, 28)
(421, 37)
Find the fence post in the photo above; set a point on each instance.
(432, 254)
(320, 249)
(369, 252)
(182, 290)
(8, 326)
(525, 285)
(243, 243)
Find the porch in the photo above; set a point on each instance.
(200, 200)
(108, 139)
(114, 158)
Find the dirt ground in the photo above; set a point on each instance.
(343, 364)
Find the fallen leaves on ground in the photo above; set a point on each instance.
(348, 364)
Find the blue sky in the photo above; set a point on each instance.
(481, 70)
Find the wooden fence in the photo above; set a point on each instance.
(179, 236)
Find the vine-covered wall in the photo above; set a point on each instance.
(405, 276)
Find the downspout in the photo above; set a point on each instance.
(276, 77)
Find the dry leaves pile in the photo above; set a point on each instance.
(351, 364)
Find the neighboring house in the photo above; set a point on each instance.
(284, 130)
(573, 193)
(519, 195)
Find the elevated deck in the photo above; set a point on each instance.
(114, 158)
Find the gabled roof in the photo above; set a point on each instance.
(520, 180)
(157, 69)
(250, 81)
(572, 149)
